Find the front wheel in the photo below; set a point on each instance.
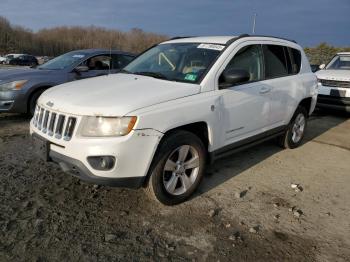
(177, 169)
(295, 132)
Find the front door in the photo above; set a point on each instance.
(246, 106)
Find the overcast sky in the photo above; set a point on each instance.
(307, 21)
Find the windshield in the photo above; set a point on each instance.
(183, 62)
(63, 61)
(340, 63)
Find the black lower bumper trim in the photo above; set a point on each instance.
(331, 102)
(78, 169)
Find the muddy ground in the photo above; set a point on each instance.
(47, 215)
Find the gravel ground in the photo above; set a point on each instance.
(245, 210)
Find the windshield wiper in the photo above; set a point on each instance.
(152, 74)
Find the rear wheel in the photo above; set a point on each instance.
(177, 169)
(295, 132)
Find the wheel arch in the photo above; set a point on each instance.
(34, 91)
(200, 129)
(306, 103)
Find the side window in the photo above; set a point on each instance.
(249, 58)
(100, 62)
(296, 60)
(120, 61)
(275, 61)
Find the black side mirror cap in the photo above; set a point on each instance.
(231, 77)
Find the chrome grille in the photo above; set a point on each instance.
(54, 124)
(335, 83)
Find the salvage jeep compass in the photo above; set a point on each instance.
(175, 108)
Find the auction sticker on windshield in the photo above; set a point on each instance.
(190, 77)
(211, 46)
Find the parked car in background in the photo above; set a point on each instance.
(20, 88)
(315, 68)
(175, 108)
(9, 57)
(24, 60)
(2, 59)
(334, 83)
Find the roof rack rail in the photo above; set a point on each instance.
(247, 35)
(236, 38)
(179, 37)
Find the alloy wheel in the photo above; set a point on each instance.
(181, 170)
(298, 128)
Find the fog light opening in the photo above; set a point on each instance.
(103, 163)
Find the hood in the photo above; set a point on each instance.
(340, 75)
(22, 74)
(114, 95)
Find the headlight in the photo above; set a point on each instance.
(92, 126)
(14, 85)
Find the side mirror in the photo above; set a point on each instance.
(81, 69)
(233, 77)
(323, 66)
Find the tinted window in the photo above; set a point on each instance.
(275, 61)
(249, 58)
(120, 61)
(296, 60)
(100, 62)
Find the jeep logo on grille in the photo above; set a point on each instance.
(50, 104)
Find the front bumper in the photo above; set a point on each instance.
(76, 168)
(133, 154)
(13, 102)
(337, 98)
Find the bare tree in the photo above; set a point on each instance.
(55, 41)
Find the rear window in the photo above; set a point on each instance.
(281, 61)
(296, 60)
(275, 61)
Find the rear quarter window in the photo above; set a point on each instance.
(296, 60)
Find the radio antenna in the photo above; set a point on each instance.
(254, 23)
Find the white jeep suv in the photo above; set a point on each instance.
(177, 107)
(334, 83)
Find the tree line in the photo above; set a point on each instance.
(323, 53)
(59, 40)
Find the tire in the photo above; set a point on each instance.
(295, 132)
(170, 182)
(32, 102)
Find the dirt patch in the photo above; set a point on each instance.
(47, 215)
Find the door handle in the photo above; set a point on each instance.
(265, 89)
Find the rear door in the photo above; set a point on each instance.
(245, 106)
(281, 80)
